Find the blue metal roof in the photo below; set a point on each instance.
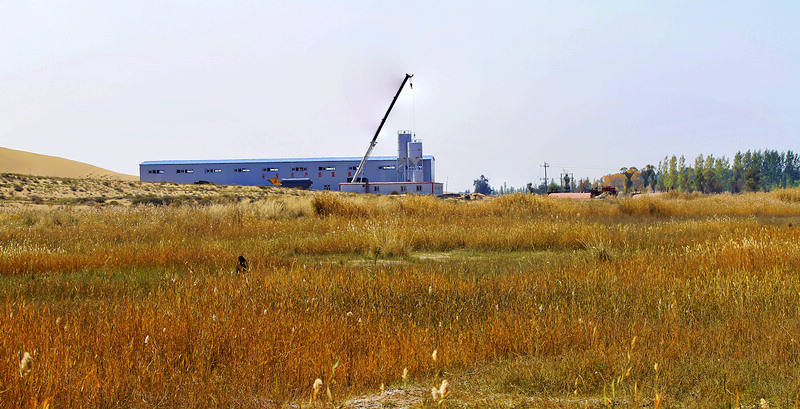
(278, 160)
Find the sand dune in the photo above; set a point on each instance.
(26, 163)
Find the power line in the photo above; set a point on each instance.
(582, 167)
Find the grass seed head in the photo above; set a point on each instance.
(317, 386)
(405, 374)
(25, 364)
(434, 355)
(444, 389)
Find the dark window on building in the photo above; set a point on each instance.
(386, 167)
(242, 170)
(419, 188)
(269, 170)
(213, 170)
(155, 171)
(326, 187)
(327, 168)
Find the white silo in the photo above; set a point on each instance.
(403, 139)
(415, 160)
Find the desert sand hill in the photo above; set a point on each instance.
(26, 163)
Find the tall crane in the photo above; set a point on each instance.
(374, 142)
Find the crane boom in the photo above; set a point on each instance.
(374, 141)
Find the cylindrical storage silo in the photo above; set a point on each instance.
(415, 152)
(403, 138)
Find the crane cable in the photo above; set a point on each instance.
(413, 110)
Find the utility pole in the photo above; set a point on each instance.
(545, 172)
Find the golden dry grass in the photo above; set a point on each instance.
(528, 301)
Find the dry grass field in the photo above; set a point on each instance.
(126, 294)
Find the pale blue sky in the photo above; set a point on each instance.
(499, 88)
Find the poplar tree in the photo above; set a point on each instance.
(738, 173)
(683, 177)
(698, 181)
(673, 172)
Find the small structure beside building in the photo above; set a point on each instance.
(397, 188)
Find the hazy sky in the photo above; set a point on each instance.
(499, 87)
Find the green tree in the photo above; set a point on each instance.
(566, 186)
(710, 175)
(771, 170)
(628, 173)
(584, 185)
(683, 176)
(645, 178)
(482, 185)
(752, 179)
(723, 175)
(699, 181)
(673, 173)
(791, 169)
(737, 184)
(663, 173)
(648, 176)
(757, 161)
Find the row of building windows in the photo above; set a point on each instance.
(238, 170)
(295, 169)
(402, 189)
(325, 187)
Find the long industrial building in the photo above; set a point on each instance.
(409, 172)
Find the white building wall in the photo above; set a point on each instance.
(324, 173)
(385, 188)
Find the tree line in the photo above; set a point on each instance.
(750, 171)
